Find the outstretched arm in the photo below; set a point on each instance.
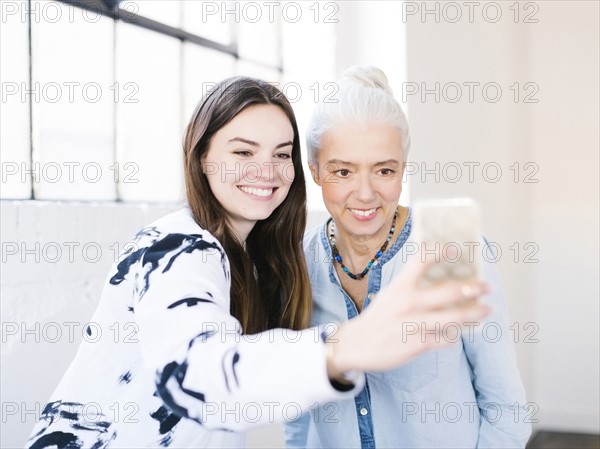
(205, 368)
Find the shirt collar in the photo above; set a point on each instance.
(388, 254)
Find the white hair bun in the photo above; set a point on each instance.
(368, 76)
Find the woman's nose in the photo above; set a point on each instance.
(260, 170)
(364, 190)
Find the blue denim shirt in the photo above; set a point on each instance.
(466, 395)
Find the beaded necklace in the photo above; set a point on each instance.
(378, 254)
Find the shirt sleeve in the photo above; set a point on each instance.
(498, 387)
(206, 370)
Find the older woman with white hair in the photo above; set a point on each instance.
(466, 395)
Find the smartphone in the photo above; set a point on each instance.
(452, 228)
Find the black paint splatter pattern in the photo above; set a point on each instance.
(171, 379)
(190, 302)
(76, 426)
(171, 246)
(125, 378)
(167, 422)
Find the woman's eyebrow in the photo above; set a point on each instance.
(241, 139)
(340, 162)
(256, 144)
(351, 164)
(388, 162)
(285, 144)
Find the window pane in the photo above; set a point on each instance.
(209, 20)
(164, 11)
(149, 115)
(202, 69)
(73, 106)
(258, 35)
(14, 107)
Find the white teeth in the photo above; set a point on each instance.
(257, 192)
(363, 213)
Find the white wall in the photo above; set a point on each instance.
(564, 214)
(559, 213)
(45, 284)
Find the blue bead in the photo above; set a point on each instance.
(338, 258)
(369, 264)
(345, 269)
(379, 253)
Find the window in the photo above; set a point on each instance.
(148, 114)
(14, 106)
(95, 101)
(72, 106)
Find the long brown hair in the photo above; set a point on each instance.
(279, 296)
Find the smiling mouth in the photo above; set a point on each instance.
(257, 192)
(363, 212)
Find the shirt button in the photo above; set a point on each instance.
(371, 296)
(363, 411)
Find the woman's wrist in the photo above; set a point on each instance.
(336, 369)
